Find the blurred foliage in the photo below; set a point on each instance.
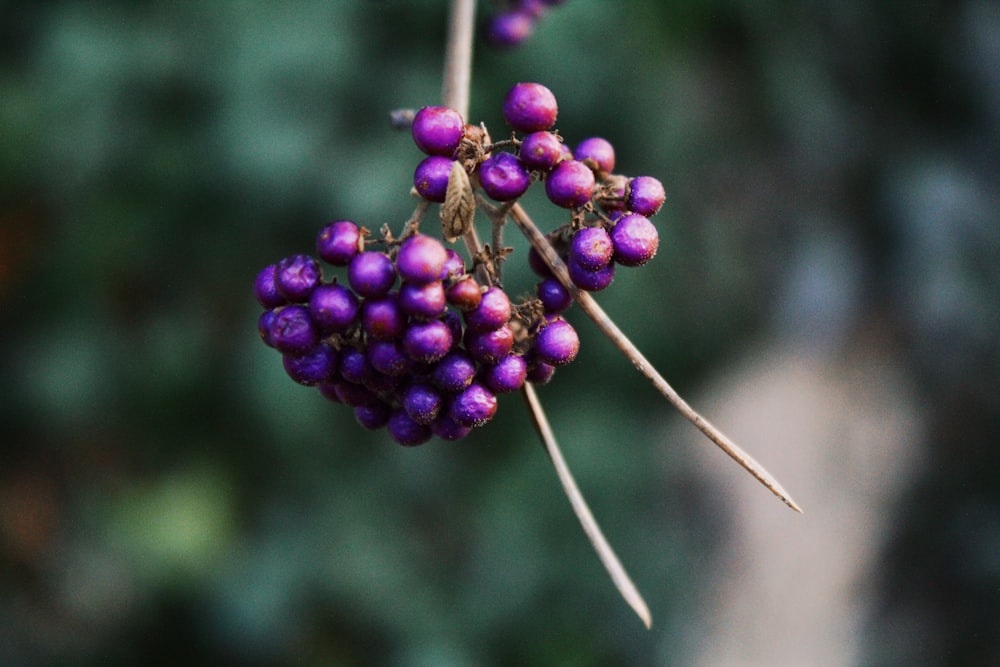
(168, 495)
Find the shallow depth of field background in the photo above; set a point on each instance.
(827, 291)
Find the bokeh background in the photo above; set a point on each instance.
(827, 291)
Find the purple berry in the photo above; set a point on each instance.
(315, 366)
(354, 366)
(506, 375)
(454, 266)
(474, 406)
(635, 238)
(293, 330)
(493, 310)
(264, 327)
(537, 264)
(530, 107)
(427, 341)
(389, 357)
(373, 416)
(334, 308)
(328, 390)
(465, 294)
(422, 402)
(354, 394)
(454, 372)
(421, 259)
(557, 343)
(407, 432)
(503, 177)
(382, 318)
(265, 290)
(591, 281)
(430, 178)
(570, 184)
(489, 346)
(554, 296)
(541, 151)
(371, 273)
(540, 372)
(510, 28)
(596, 153)
(591, 248)
(447, 428)
(295, 277)
(425, 302)
(337, 243)
(383, 384)
(645, 195)
(438, 130)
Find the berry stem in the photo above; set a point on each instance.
(621, 341)
(458, 56)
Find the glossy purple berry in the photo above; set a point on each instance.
(438, 130)
(424, 302)
(334, 308)
(530, 107)
(389, 358)
(454, 372)
(597, 153)
(454, 266)
(371, 273)
(354, 366)
(554, 296)
(295, 277)
(373, 416)
(540, 372)
(427, 341)
(407, 432)
(474, 406)
(265, 290)
(541, 151)
(635, 239)
(421, 259)
(337, 243)
(506, 375)
(503, 177)
(510, 28)
(315, 366)
(645, 195)
(557, 343)
(591, 281)
(465, 294)
(494, 310)
(293, 330)
(489, 346)
(447, 428)
(570, 184)
(591, 248)
(264, 327)
(430, 178)
(422, 402)
(382, 318)
(354, 394)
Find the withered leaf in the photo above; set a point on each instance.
(459, 208)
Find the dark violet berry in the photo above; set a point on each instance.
(557, 343)
(530, 107)
(438, 130)
(540, 372)
(427, 341)
(422, 402)
(293, 330)
(645, 195)
(264, 327)
(454, 372)
(407, 432)
(503, 177)
(425, 302)
(570, 184)
(354, 365)
(382, 318)
(266, 291)
(554, 296)
(635, 238)
(337, 243)
(315, 366)
(454, 266)
(465, 294)
(591, 248)
(537, 264)
(489, 346)
(334, 308)
(430, 178)
(510, 28)
(296, 276)
(383, 384)
(373, 416)
(421, 259)
(328, 391)
(354, 394)
(591, 281)
(493, 310)
(474, 406)
(389, 357)
(540, 151)
(596, 153)
(447, 428)
(454, 322)
(506, 375)
(371, 273)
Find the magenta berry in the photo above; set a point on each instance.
(427, 341)
(591, 248)
(474, 406)
(337, 243)
(454, 265)
(635, 239)
(530, 107)
(596, 153)
(425, 302)
(465, 294)
(645, 195)
(557, 343)
(540, 151)
(510, 28)
(507, 375)
(438, 130)
(334, 308)
(382, 318)
(266, 291)
(296, 276)
(489, 346)
(421, 259)
(430, 178)
(503, 177)
(494, 310)
(570, 184)
(371, 273)
(293, 330)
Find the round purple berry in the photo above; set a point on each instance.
(337, 243)
(506, 375)
(635, 239)
(427, 341)
(407, 432)
(265, 290)
(371, 273)
(447, 428)
(591, 281)
(554, 296)
(645, 195)
(354, 395)
(591, 248)
(454, 372)
(454, 266)
(540, 372)
(421, 259)
(557, 343)
(354, 366)
(422, 402)
(474, 406)
(510, 28)
(465, 294)
(540, 151)
(503, 177)
(334, 308)
(315, 366)
(597, 153)
(373, 416)
(389, 358)
(293, 330)
(430, 178)
(489, 346)
(264, 327)
(425, 302)
(570, 184)
(530, 107)
(438, 130)
(493, 310)
(296, 276)
(382, 318)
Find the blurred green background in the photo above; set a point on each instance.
(168, 496)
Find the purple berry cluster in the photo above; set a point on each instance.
(515, 22)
